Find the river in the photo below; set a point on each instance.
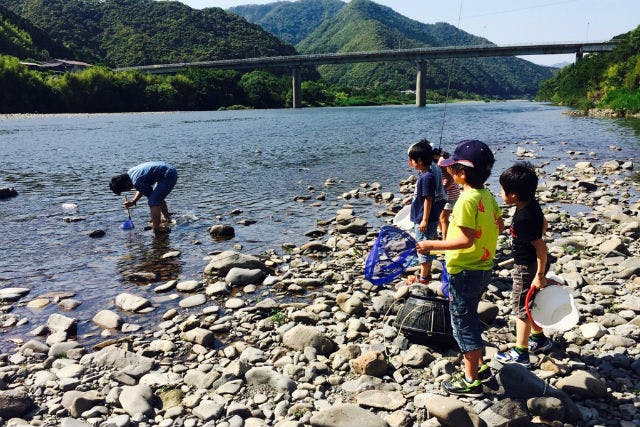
(256, 161)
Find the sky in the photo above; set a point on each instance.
(507, 22)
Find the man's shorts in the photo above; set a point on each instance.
(430, 234)
(163, 187)
(466, 289)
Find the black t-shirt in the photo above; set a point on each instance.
(526, 227)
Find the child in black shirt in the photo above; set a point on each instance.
(528, 224)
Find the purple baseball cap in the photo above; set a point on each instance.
(472, 153)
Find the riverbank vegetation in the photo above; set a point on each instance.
(100, 90)
(609, 80)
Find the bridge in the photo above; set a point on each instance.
(419, 56)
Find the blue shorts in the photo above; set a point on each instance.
(163, 187)
(466, 288)
(430, 234)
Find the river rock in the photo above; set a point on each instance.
(301, 336)
(120, 359)
(547, 408)
(225, 261)
(221, 231)
(199, 336)
(13, 294)
(136, 399)
(188, 286)
(243, 276)
(107, 319)
(77, 402)
(449, 411)
(346, 415)
(130, 302)
(15, 403)
(267, 376)
(57, 323)
(584, 384)
(506, 413)
(371, 363)
(7, 192)
(378, 399)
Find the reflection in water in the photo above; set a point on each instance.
(144, 260)
(633, 124)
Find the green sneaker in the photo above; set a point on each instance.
(484, 373)
(459, 386)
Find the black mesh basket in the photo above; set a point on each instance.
(425, 318)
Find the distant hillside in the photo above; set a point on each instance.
(290, 21)
(364, 25)
(138, 32)
(608, 80)
(21, 39)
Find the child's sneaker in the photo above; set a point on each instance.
(419, 279)
(541, 346)
(512, 356)
(484, 373)
(459, 385)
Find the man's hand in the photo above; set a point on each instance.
(129, 203)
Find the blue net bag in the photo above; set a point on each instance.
(392, 253)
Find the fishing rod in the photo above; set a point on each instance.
(451, 59)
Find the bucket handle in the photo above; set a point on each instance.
(527, 302)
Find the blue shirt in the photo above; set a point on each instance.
(146, 175)
(425, 187)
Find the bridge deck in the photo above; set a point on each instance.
(418, 54)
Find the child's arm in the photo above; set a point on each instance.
(463, 242)
(500, 224)
(428, 202)
(540, 281)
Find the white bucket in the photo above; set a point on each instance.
(554, 308)
(402, 220)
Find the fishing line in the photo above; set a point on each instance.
(451, 59)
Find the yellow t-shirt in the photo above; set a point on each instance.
(478, 210)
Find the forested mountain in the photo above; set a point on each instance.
(290, 21)
(604, 80)
(362, 25)
(137, 32)
(18, 37)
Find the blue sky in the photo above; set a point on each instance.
(511, 22)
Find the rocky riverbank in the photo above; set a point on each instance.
(229, 357)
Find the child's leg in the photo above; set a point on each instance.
(425, 269)
(444, 222)
(472, 361)
(523, 329)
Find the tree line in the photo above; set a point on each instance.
(604, 80)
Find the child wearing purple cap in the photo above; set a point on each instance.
(469, 251)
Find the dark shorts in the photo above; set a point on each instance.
(163, 188)
(430, 234)
(522, 276)
(466, 289)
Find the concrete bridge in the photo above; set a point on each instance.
(419, 56)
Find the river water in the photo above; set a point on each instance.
(256, 161)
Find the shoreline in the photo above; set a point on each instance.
(336, 358)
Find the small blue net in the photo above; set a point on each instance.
(392, 253)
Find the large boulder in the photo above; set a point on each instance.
(302, 336)
(223, 262)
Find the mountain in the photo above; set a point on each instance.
(364, 25)
(137, 32)
(605, 80)
(19, 38)
(290, 21)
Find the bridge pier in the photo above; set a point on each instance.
(579, 55)
(296, 101)
(421, 83)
